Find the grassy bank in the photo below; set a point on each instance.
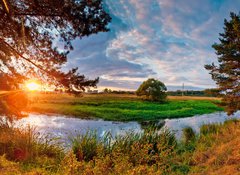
(121, 107)
(214, 151)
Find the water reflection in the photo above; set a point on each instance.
(64, 126)
(176, 125)
(152, 124)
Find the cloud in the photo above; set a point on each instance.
(165, 39)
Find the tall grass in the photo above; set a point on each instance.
(85, 146)
(26, 146)
(148, 152)
(150, 148)
(188, 135)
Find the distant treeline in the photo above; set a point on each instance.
(186, 93)
(109, 91)
(206, 92)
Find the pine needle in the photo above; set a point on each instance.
(23, 33)
(6, 5)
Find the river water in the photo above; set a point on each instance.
(63, 126)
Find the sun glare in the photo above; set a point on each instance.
(33, 86)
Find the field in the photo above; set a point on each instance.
(120, 107)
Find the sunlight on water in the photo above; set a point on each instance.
(176, 125)
(64, 126)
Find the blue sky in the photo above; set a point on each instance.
(165, 39)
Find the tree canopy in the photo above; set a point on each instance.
(29, 30)
(227, 73)
(153, 90)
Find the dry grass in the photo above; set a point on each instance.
(63, 97)
(219, 153)
(67, 97)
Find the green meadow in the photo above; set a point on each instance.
(118, 107)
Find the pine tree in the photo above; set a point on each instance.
(227, 72)
(28, 29)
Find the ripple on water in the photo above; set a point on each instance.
(64, 126)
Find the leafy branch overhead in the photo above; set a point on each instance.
(227, 72)
(29, 29)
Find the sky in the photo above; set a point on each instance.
(169, 40)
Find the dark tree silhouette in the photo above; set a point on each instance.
(227, 72)
(28, 29)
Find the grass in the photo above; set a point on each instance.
(217, 150)
(121, 107)
(27, 148)
(214, 151)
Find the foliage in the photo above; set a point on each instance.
(120, 107)
(7, 167)
(188, 135)
(29, 29)
(7, 83)
(25, 144)
(106, 90)
(209, 129)
(227, 72)
(153, 90)
(186, 93)
(123, 154)
(110, 91)
(12, 103)
(85, 146)
(31, 150)
(214, 92)
(150, 152)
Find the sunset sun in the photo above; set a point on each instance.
(119, 87)
(32, 86)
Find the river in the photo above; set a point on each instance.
(63, 126)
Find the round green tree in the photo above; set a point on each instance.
(153, 90)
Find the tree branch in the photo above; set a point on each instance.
(36, 14)
(23, 57)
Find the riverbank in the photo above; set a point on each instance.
(118, 107)
(63, 126)
(214, 151)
